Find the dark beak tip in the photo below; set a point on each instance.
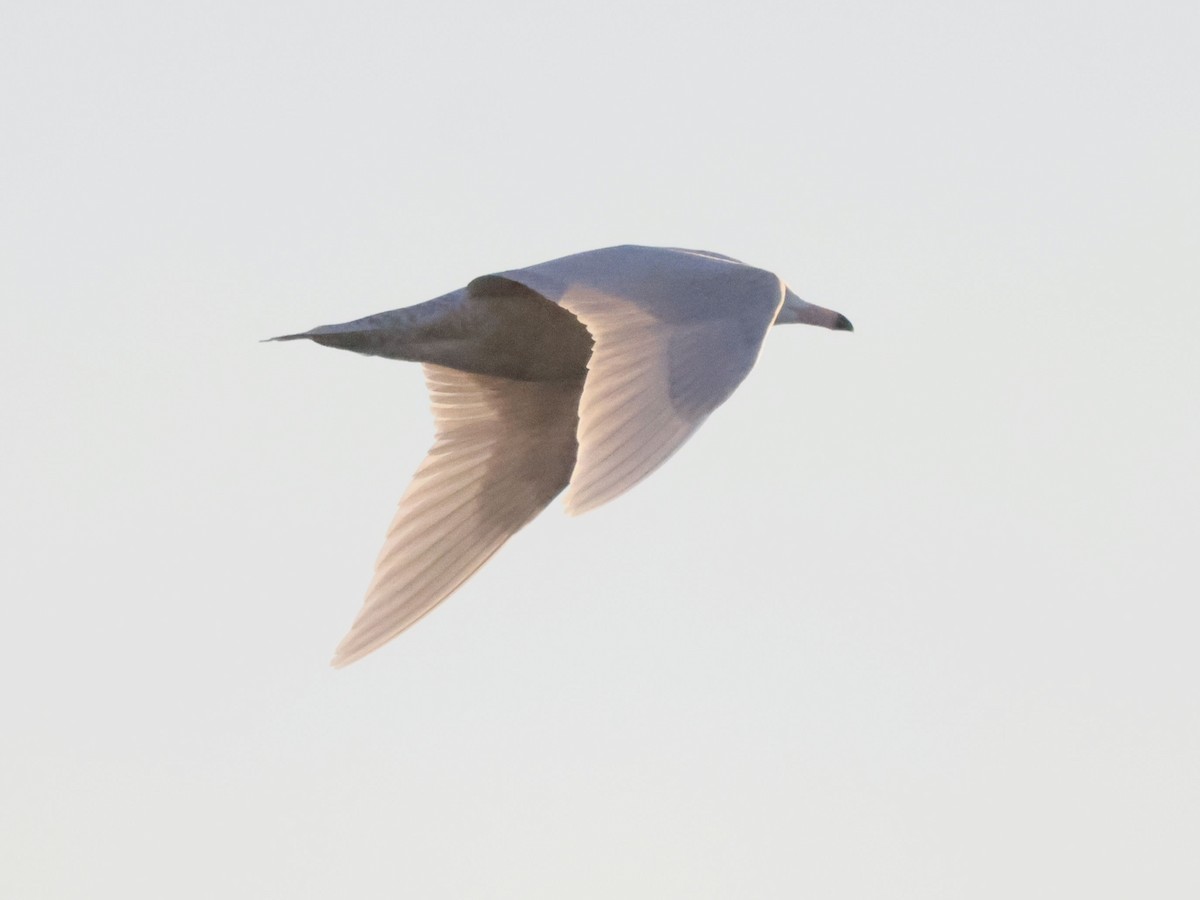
(842, 324)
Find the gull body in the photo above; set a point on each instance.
(584, 373)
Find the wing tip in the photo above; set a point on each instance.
(573, 508)
(362, 642)
(346, 653)
(576, 503)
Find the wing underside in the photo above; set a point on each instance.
(504, 450)
(674, 331)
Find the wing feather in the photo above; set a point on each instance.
(504, 450)
(674, 331)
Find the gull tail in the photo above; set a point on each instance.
(373, 336)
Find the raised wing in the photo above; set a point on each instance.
(675, 333)
(504, 450)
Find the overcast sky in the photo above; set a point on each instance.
(912, 616)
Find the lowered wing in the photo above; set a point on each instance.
(504, 450)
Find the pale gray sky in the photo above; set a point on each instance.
(913, 616)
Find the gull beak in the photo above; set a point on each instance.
(796, 310)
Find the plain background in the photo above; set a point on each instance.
(914, 614)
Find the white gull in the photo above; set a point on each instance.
(585, 373)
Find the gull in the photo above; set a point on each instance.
(584, 373)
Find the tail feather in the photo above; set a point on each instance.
(372, 341)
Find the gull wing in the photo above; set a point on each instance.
(675, 333)
(504, 450)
